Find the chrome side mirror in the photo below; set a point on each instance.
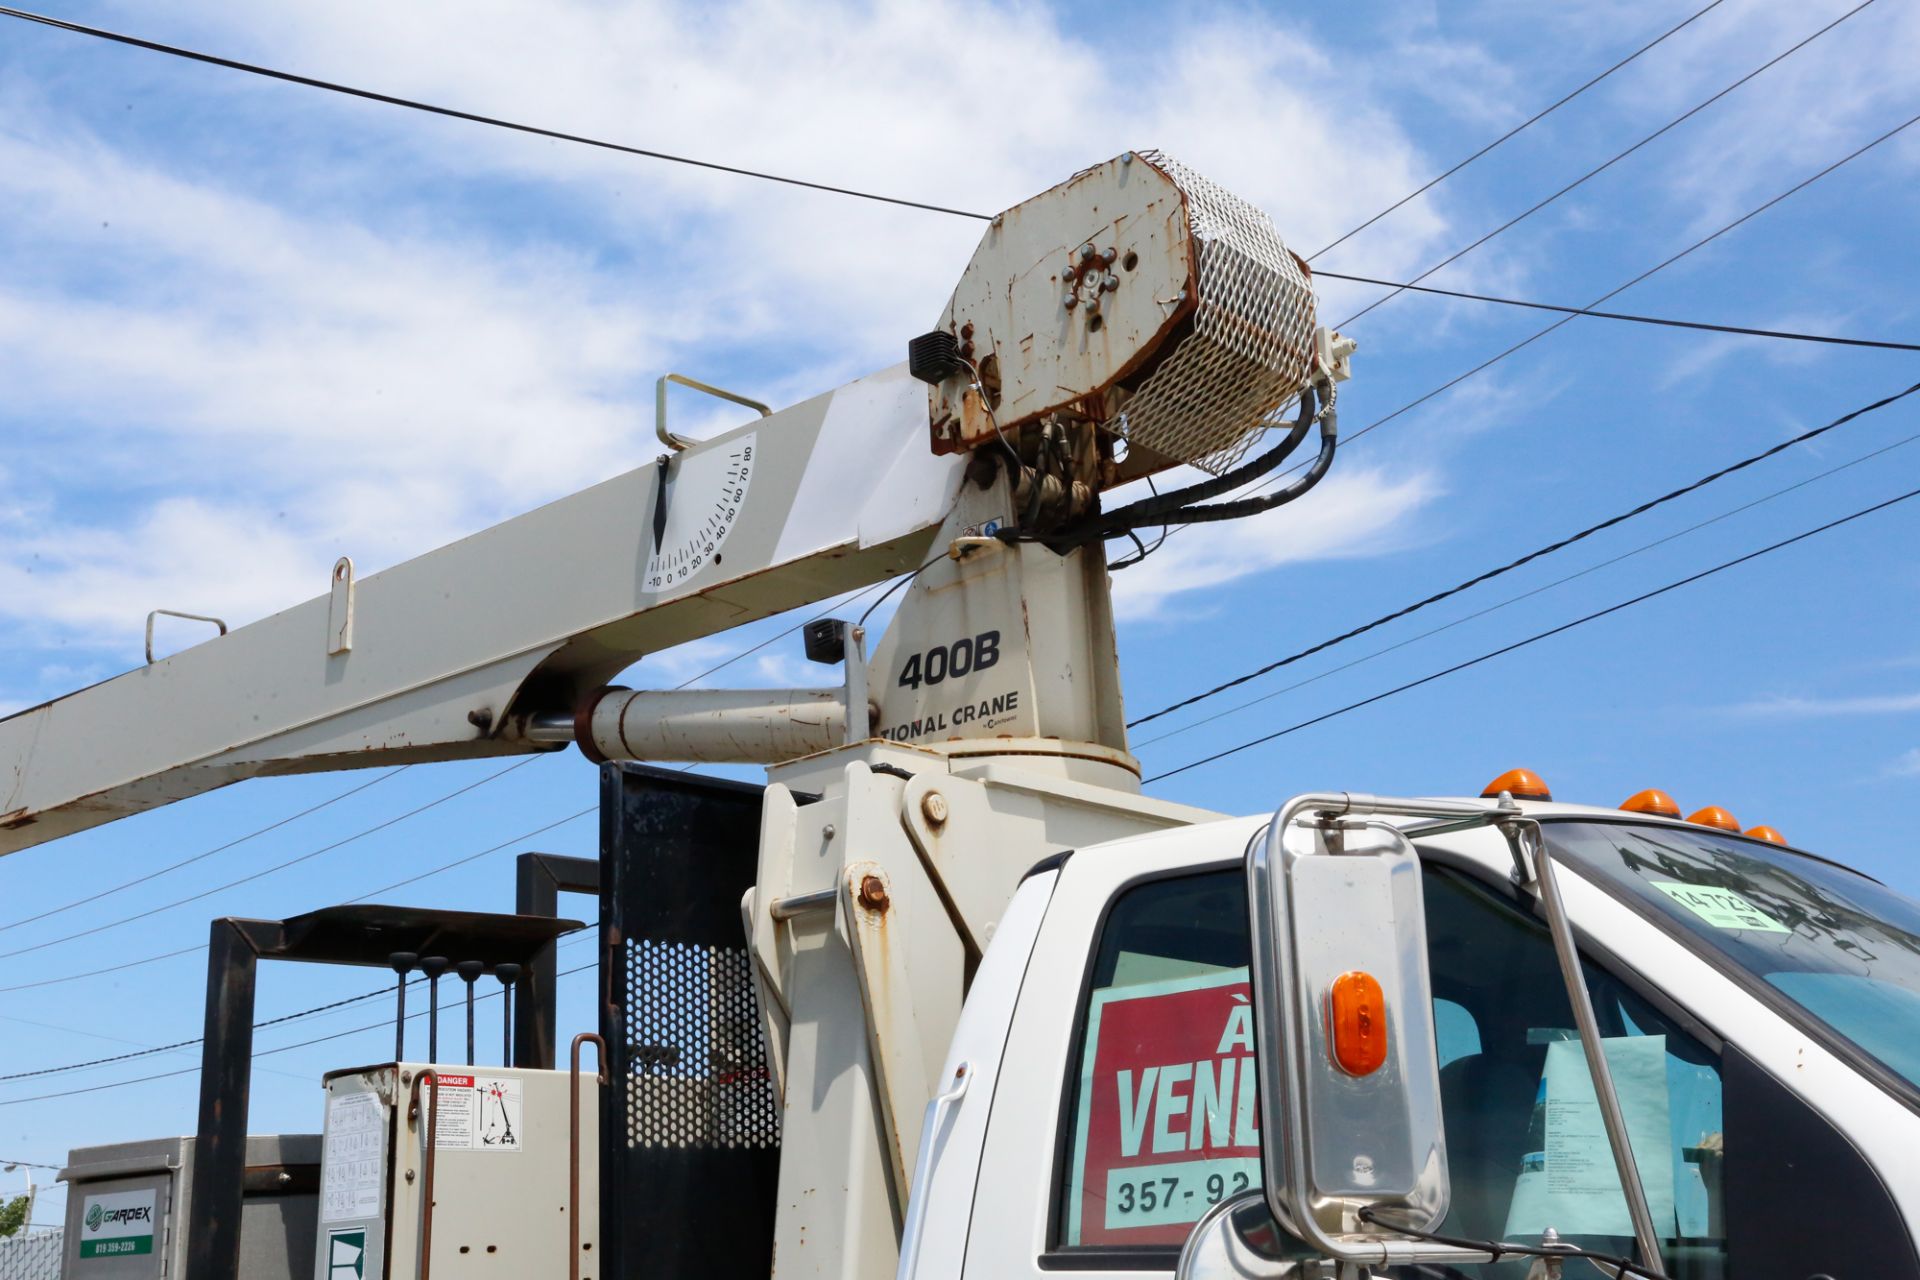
(1238, 1239)
(1349, 1068)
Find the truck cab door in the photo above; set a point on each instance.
(1119, 1116)
(1126, 1102)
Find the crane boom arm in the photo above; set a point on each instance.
(450, 650)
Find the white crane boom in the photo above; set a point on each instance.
(446, 647)
(1137, 302)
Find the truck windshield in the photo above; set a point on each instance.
(1835, 946)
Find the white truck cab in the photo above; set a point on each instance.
(1759, 1008)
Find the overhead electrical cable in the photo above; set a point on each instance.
(124, 885)
(1538, 636)
(1538, 334)
(138, 1044)
(95, 973)
(1526, 595)
(1608, 164)
(168, 955)
(386, 1025)
(1524, 125)
(572, 935)
(1537, 553)
(278, 866)
(1782, 334)
(411, 104)
(541, 131)
(443, 867)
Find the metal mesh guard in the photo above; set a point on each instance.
(700, 1076)
(1251, 348)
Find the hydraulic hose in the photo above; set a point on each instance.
(1329, 440)
(1148, 510)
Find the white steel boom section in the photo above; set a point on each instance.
(449, 653)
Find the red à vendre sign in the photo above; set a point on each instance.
(1168, 1121)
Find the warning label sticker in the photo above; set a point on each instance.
(1168, 1119)
(479, 1113)
(355, 1158)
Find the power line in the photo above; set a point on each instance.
(95, 1035)
(447, 866)
(177, 1045)
(185, 862)
(1787, 335)
(33, 1164)
(444, 867)
(1537, 636)
(1524, 125)
(1536, 554)
(95, 973)
(1529, 340)
(280, 866)
(1529, 593)
(412, 104)
(1608, 164)
(1397, 286)
(261, 1053)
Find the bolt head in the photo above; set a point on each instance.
(1109, 284)
(934, 806)
(873, 893)
(1071, 300)
(1086, 252)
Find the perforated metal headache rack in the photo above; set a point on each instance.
(1251, 348)
(690, 1130)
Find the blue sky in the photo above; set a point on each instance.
(246, 328)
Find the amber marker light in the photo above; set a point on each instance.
(1714, 816)
(1521, 784)
(1767, 833)
(1653, 801)
(1357, 1023)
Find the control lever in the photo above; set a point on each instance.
(470, 971)
(402, 963)
(508, 975)
(433, 967)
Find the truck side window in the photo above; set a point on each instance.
(1160, 1117)
(1526, 1147)
(1160, 1122)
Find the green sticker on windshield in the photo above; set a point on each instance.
(1721, 908)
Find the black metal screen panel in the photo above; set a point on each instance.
(690, 1136)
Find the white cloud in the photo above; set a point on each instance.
(1840, 91)
(1906, 765)
(1354, 511)
(326, 349)
(1869, 705)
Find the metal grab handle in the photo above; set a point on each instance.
(175, 613)
(426, 1177)
(573, 1144)
(668, 438)
(930, 1131)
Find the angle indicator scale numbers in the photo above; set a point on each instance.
(697, 504)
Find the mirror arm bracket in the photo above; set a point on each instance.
(1524, 834)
